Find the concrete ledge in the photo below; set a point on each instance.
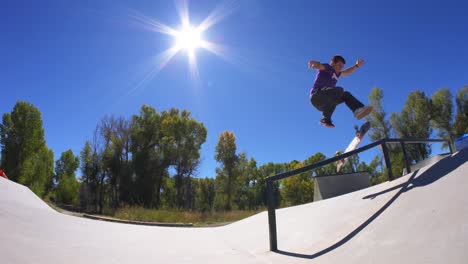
(133, 222)
(338, 184)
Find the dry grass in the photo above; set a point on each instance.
(168, 216)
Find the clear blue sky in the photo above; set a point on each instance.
(78, 61)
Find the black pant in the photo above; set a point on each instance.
(328, 98)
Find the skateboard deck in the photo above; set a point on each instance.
(354, 143)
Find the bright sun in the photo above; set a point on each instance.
(189, 38)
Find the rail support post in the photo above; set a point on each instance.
(405, 156)
(387, 161)
(272, 216)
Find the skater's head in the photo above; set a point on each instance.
(337, 62)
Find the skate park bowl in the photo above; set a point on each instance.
(338, 184)
(421, 217)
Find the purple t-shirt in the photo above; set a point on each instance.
(326, 78)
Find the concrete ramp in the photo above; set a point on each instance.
(330, 186)
(419, 218)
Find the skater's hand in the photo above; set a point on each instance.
(359, 62)
(351, 69)
(314, 65)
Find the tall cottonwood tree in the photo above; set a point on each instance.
(67, 191)
(226, 155)
(90, 169)
(380, 126)
(25, 156)
(461, 118)
(442, 116)
(116, 159)
(182, 137)
(150, 158)
(414, 122)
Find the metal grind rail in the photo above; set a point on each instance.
(382, 143)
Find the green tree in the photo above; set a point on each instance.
(442, 115)
(265, 171)
(254, 179)
(94, 170)
(25, 156)
(37, 171)
(414, 122)
(182, 137)
(461, 118)
(115, 132)
(226, 155)
(297, 189)
(323, 170)
(246, 183)
(206, 192)
(380, 126)
(150, 158)
(90, 170)
(68, 187)
(378, 175)
(66, 165)
(169, 194)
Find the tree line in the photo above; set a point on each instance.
(150, 159)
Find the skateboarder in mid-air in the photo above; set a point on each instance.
(325, 95)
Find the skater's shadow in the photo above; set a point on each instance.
(432, 174)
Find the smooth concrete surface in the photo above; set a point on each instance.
(418, 218)
(326, 187)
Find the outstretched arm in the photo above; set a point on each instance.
(351, 69)
(316, 65)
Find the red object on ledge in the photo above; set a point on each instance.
(3, 174)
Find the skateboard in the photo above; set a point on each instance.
(354, 143)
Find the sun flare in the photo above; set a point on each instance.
(189, 38)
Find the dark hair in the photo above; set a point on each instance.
(338, 58)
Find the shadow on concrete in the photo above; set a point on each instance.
(434, 173)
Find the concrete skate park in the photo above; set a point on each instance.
(421, 217)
